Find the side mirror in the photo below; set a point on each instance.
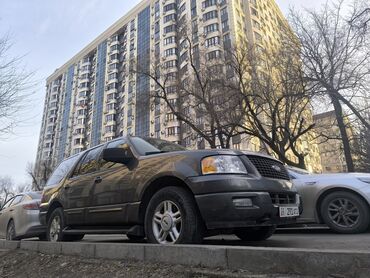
(118, 155)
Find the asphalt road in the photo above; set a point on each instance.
(321, 238)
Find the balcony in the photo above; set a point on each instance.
(114, 61)
(82, 89)
(86, 63)
(115, 51)
(113, 80)
(109, 134)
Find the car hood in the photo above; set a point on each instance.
(335, 176)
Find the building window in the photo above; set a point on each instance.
(157, 9)
(169, 40)
(169, 7)
(109, 118)
(212, 41)
(210, 15)
(211, 28)
(174, 130)
(170, 51)
(209, 3)
(169, 17)
(170, 64)
(169, 29)
(214, 55)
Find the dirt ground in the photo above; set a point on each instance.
(20, 263)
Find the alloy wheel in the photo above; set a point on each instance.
(343, 212)
(11, 232)
(167, 223)
(55, 229)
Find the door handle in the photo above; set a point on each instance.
(98, 179)
(11, 209)
(68, 186)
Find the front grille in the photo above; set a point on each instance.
(269, 168)
(283, 198)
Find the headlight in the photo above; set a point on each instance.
(367, 180)
(223, 164)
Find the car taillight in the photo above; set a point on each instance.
(31, 206)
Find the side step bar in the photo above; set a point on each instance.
(134, 230)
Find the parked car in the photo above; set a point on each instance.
(19, 217)
(152, 188)
(342, 201)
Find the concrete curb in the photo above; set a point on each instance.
(254, 259)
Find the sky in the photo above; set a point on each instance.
(47, 34)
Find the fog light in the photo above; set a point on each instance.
(243, 202)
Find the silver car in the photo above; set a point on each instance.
(19, 217)
(342, 201)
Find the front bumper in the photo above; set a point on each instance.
(220, 212)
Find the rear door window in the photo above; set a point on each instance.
(17, 200)
(62, 170)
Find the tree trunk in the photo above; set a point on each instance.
(343, 132)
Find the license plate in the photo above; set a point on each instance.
(289, 211)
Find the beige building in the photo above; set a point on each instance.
(95, 97)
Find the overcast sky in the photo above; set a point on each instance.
(49, 33)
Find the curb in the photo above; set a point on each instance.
(254, 259)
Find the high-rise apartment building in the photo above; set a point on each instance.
(96, 96)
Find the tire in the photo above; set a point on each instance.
(42, 237)
(10, 231)
(177, 219)
(54, 231)
(255, 233)
(345, 212)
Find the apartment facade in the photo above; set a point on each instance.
(97, 96)
(330, 144)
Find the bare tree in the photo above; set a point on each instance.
(6, 189)
(336, 57)
(191, 89)
(22, 187)
(361, 16)
(276, 99)
(39, 178)
(15, 85)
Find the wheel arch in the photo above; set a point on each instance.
(328, 191)
(10, 220)
(54, 205)
(158, 184)
(7, 226)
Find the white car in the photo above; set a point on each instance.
(19, 217)
(342, 201)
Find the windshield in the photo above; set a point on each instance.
(147, 146)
